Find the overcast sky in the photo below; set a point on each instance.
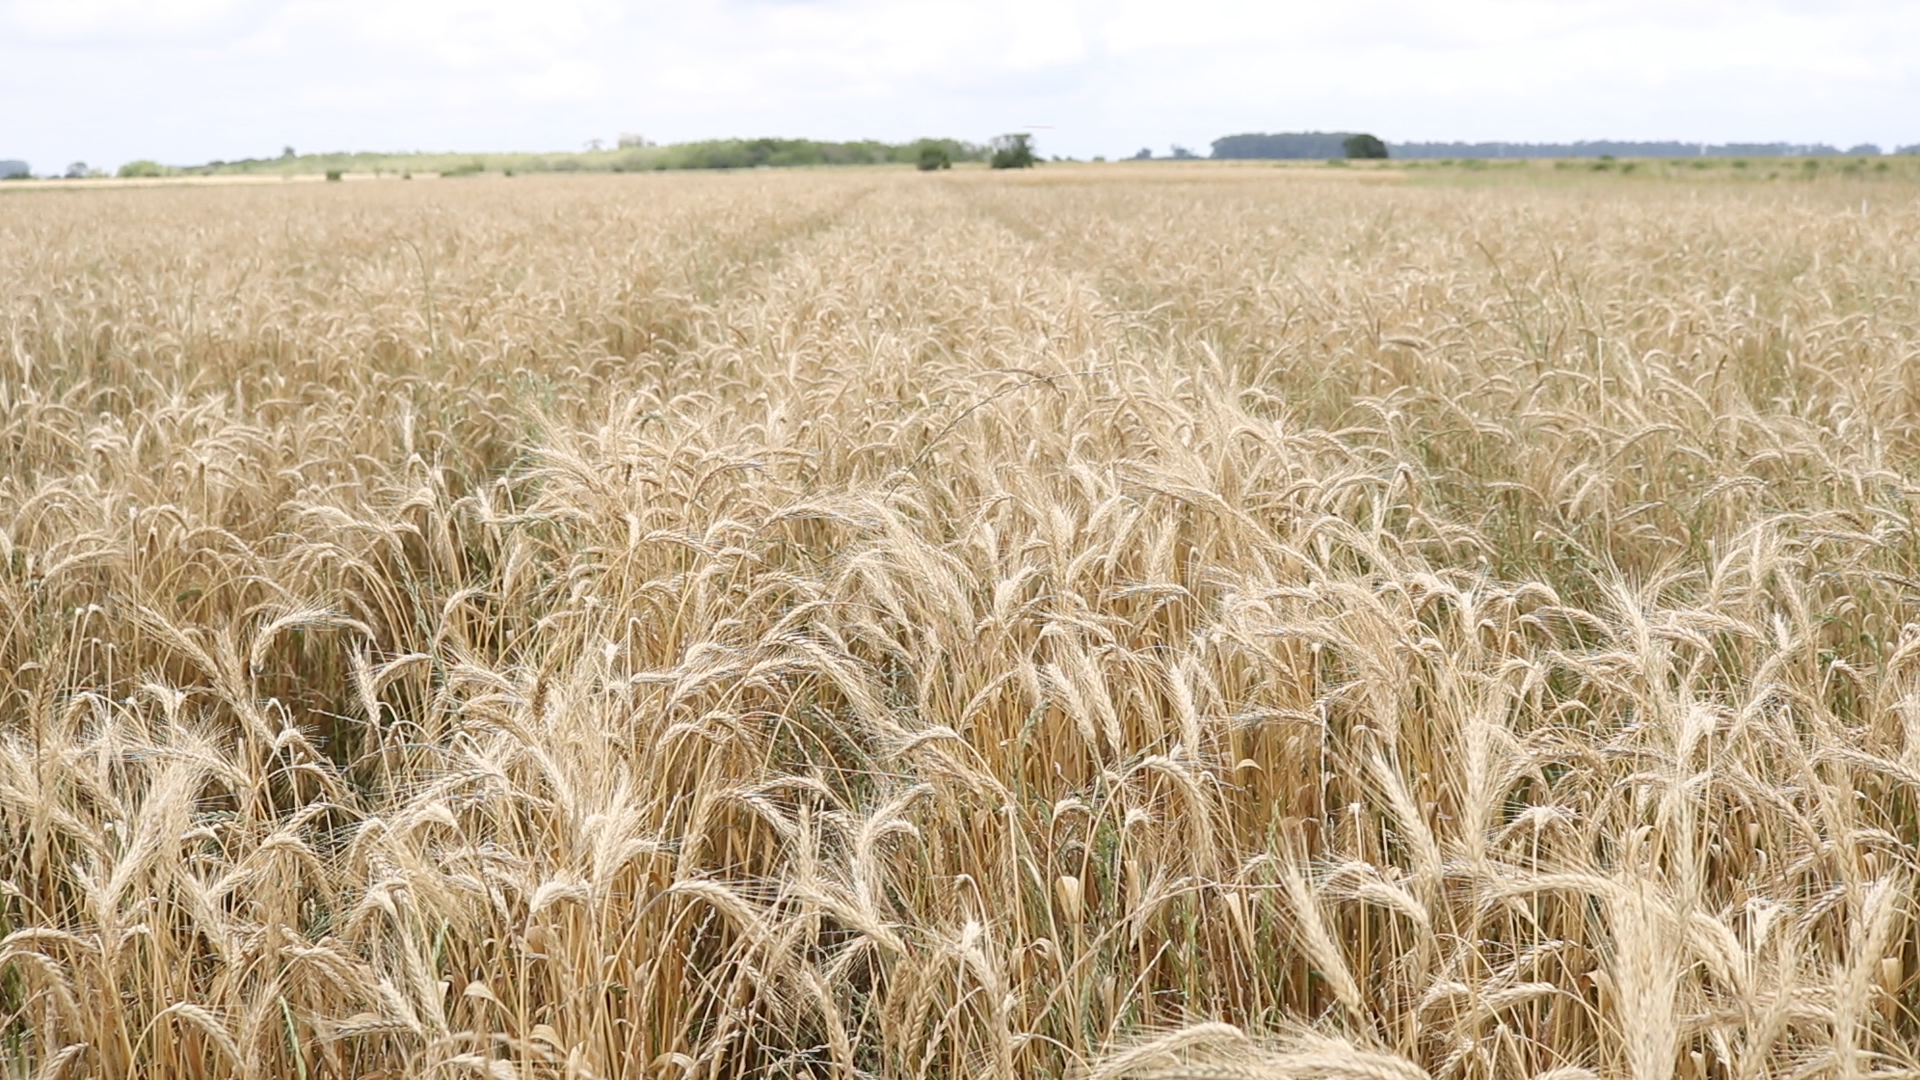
(186, 81)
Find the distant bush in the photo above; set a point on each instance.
(933, 157)
(1013, 151)
(913, 152)
(471, 168)
(334, 175)
(1365, 146)
(143, 169)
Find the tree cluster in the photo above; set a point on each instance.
(1300, 145)
(1013, 151)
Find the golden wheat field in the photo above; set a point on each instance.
(1109, 622)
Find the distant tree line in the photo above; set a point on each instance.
(1334, 144)
(753, 153)
(632, 154)
(1610, 148)
(1300, 145)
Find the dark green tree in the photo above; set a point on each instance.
(934, 156)
(1365, 146)
(1299, 145)
(1013, 151)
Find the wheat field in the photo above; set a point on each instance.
(1107, 622)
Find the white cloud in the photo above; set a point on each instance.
(455, 35)
(564, 81)
(27, 22)
(1046, 33)
(186, 80)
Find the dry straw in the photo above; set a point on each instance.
(862, 624)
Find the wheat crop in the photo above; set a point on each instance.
(1110, 622)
